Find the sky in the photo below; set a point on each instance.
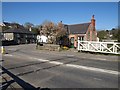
(106, 13)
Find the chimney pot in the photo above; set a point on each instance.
(93, 20)
(93, 16)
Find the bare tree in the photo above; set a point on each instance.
(48, 30)
(52, 31)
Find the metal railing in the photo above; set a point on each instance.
(102, 47)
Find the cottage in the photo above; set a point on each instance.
(14, 33)
(85, 32)
(19, 36)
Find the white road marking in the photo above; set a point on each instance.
(8, 55)
(93, 69)
(101, 59)
(78, 66)
(70, 55)
(81, 67)
(97, 78)
(43, 60)
(54, 62)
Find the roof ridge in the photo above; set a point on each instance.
(17, 30)
(81, 23)
(79, 28)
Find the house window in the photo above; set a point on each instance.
(33, 36)
(81, 38)
(26, 36)
(18, 35)
(72, 40)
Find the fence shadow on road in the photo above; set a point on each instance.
(38, 63)
(24, 85)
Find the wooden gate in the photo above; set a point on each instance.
(102, 47)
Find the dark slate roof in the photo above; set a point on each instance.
(18, 30)
(13, 24)
(78, 28)
(7, 24)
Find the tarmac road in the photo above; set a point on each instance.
(66, 69)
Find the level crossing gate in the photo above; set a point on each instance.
(96, 46)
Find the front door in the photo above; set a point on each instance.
(72, 42)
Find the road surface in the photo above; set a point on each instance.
(65, 69)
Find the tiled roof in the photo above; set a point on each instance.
(7, 24)
(13, 24)
(78, 28)
(17, 30)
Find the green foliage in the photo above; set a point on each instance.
(114, 32)
(118, 35)
(5, 28)
(102, 35)
(35, 30)
(28, 25)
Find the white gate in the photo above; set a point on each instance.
(102, 47)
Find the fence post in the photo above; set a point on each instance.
(78, 44)
(113, 48)
(100, 46)
(2, 50)
(88, 45)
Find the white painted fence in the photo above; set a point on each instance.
(102, 47)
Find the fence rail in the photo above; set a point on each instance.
(102, 47)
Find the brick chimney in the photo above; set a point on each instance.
(93, 21)
(92, 30)
(60, 24)
(30, 29)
